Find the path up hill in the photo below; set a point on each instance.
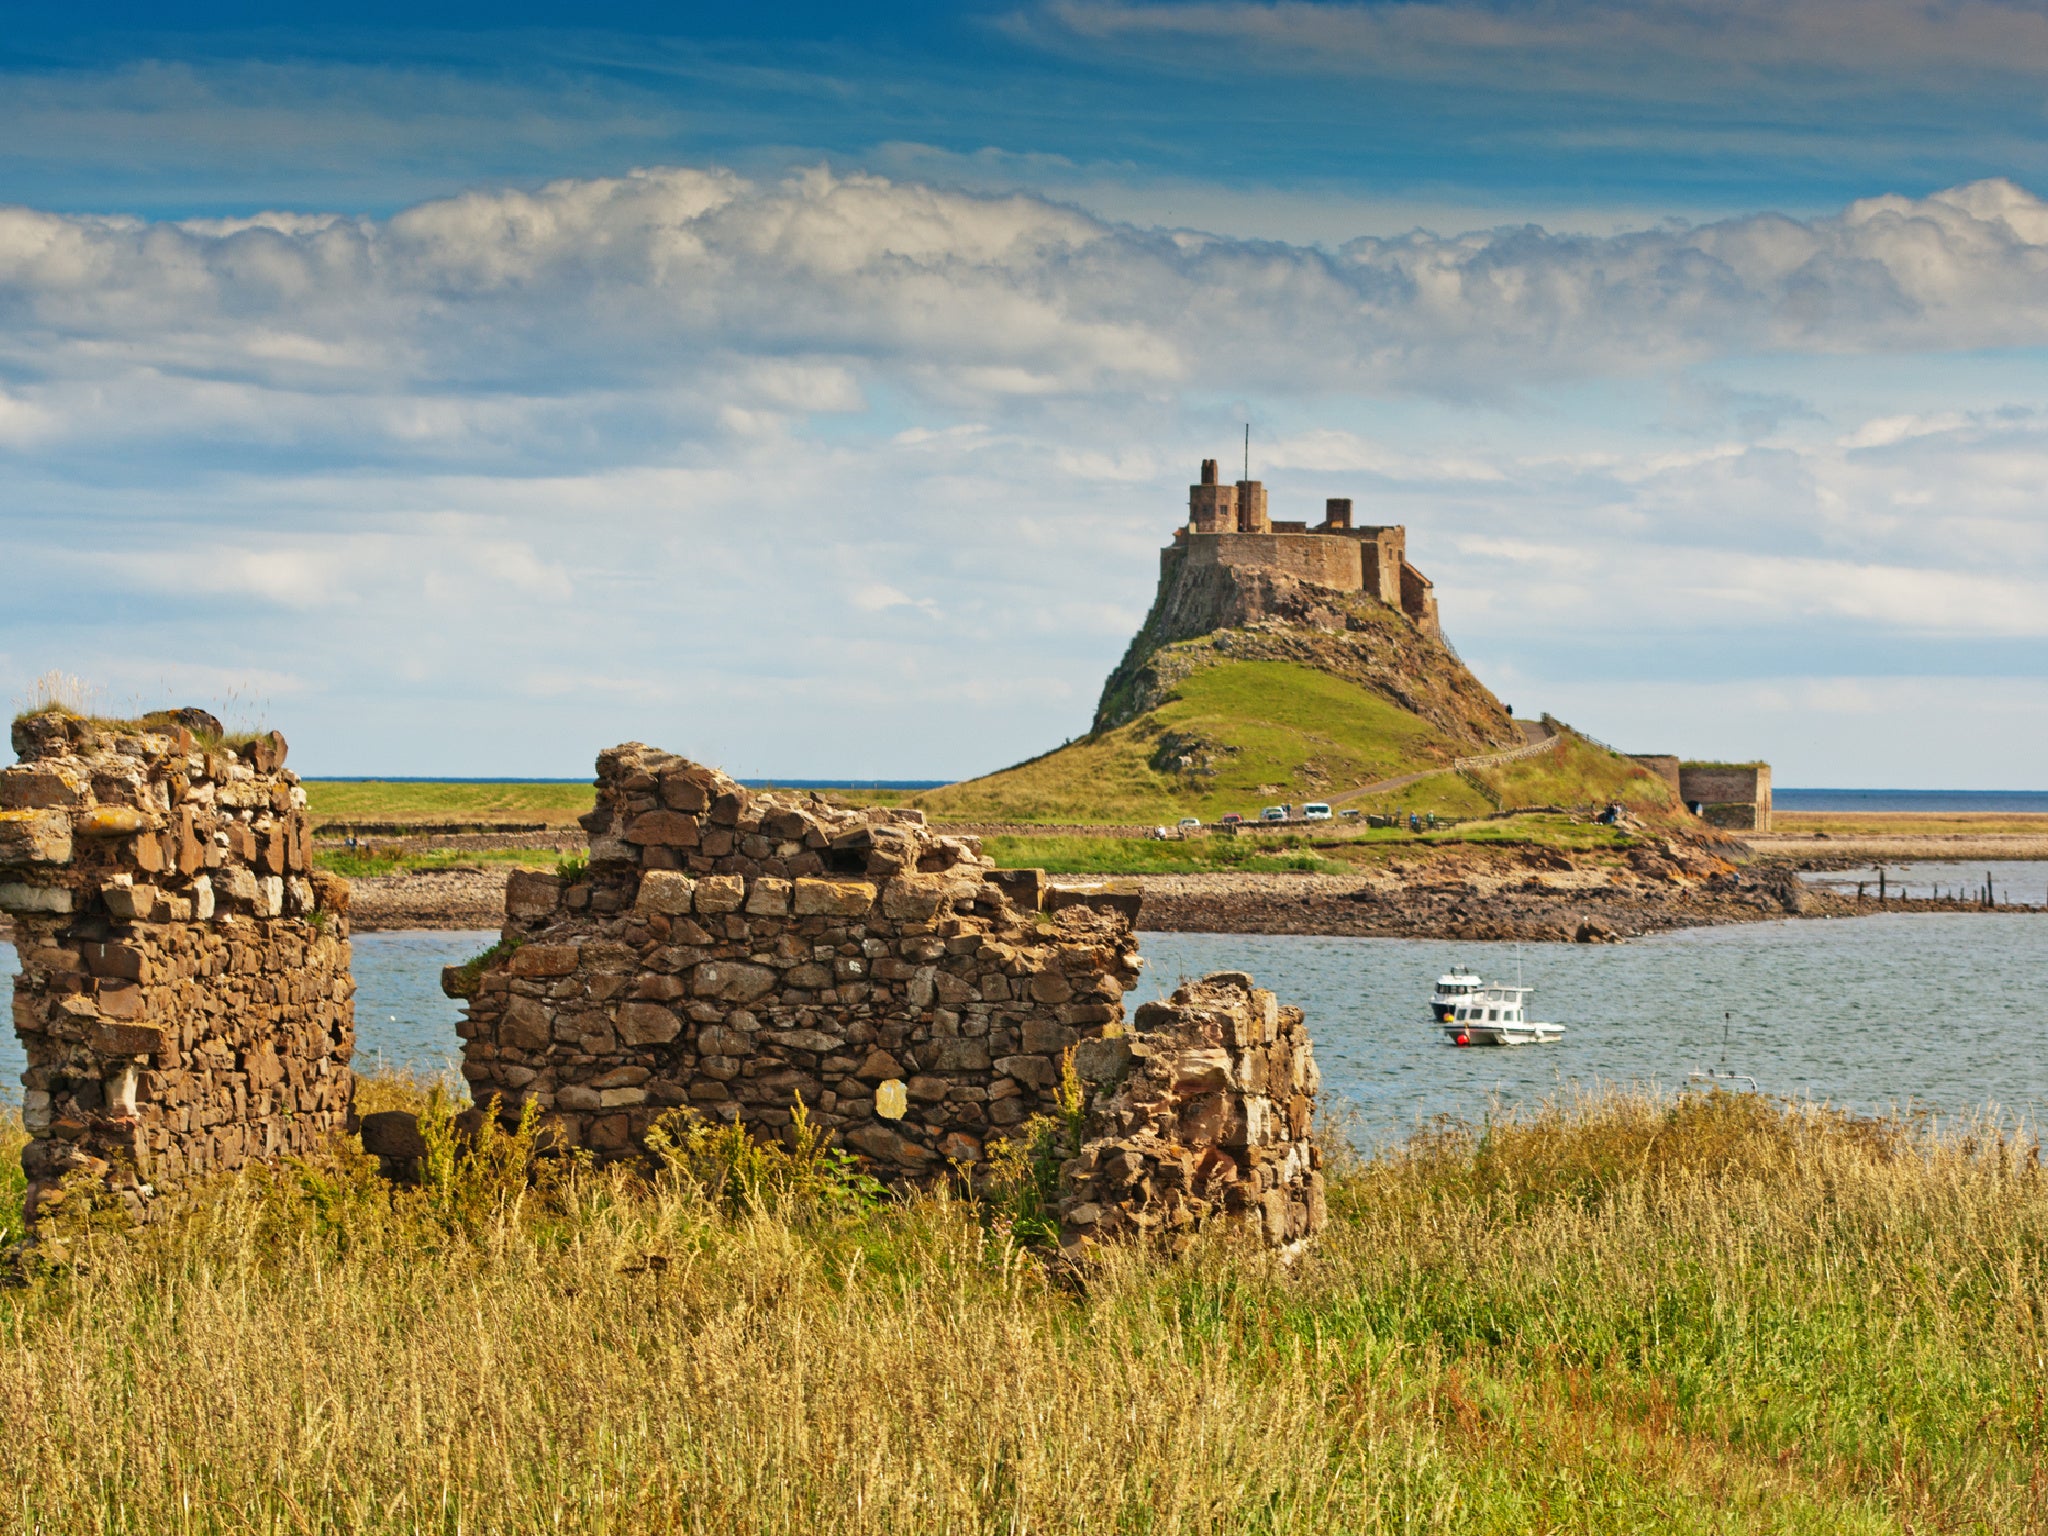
(1249, 687)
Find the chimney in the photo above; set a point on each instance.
(1337, 512)
(1208, 471)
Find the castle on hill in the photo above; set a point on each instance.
(1228, 526)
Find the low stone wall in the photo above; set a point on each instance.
(1205, 1111)
(735, 952)
(184, 995)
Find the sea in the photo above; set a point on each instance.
(1933, 1014)
(1926, 802)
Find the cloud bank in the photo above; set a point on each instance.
(693, 455)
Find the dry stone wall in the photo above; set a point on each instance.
(1204, 1111)
(184, 995)
(736, 952)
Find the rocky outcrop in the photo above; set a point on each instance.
(184, 995)
(1207, 613)
(1205, 1111)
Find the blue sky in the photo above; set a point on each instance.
(809, 388)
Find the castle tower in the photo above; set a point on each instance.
(1251, 508)
(1212, 508)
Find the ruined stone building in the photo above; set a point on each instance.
(1228, 526)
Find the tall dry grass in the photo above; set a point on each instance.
(1616, 1315)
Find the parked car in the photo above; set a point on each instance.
(1315, 810)
(1189, 824)
(1273, 813)
(1349, 815)
(1232, 819)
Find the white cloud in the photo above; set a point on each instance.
(842, 475)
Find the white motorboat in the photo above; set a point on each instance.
(1452, 988)
(1498, 1016)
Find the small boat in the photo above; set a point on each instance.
(1496, 1016)
(1452, 988)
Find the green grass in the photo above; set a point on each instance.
(1574, 772)
(1143, 856)
(1337, 850)
(1278, 730)
(380, 801)
(1619, 1315)
(368, 862)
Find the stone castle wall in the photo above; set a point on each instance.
(1328, 560)
(184, 995)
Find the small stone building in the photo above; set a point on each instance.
(184, 995)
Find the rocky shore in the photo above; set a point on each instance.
(1505, 895)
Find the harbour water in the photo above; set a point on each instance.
(2014, 882)
(1941, 1012)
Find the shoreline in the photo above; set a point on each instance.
(1552, 908)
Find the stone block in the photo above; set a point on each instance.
(912, 898)
(833, 898)
(664, 829)
(815, 1041)
(114, 821)
(886, 1146)
(666, 891)
(647, 1024)
(734, 981)
(29, 900)
(768, 897)
(719, 894)
(120, 1039)
(35, 837)
(525, 1025)
(545, 960)
(136, 903)
(1038, 1071)
(958, 1056)
(1050, 987)
(26, 788)
(529, 894)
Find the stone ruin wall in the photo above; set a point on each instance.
(732, 953)
(184, 995)
(1206, 1109)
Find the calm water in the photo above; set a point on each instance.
(2024, 881)
(1932, 802)
(1946, 1012)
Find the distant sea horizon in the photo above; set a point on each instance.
(1927, 802)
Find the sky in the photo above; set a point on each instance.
(809, 388)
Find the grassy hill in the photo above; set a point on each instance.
(1230, 736)
(1230, 732)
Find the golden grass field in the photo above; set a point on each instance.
(1618, 1315)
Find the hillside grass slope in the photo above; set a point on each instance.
(1230, 736)
(1236, 733)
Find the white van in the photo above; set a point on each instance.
(1315, 810)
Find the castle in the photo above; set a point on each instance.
(1228, 526)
